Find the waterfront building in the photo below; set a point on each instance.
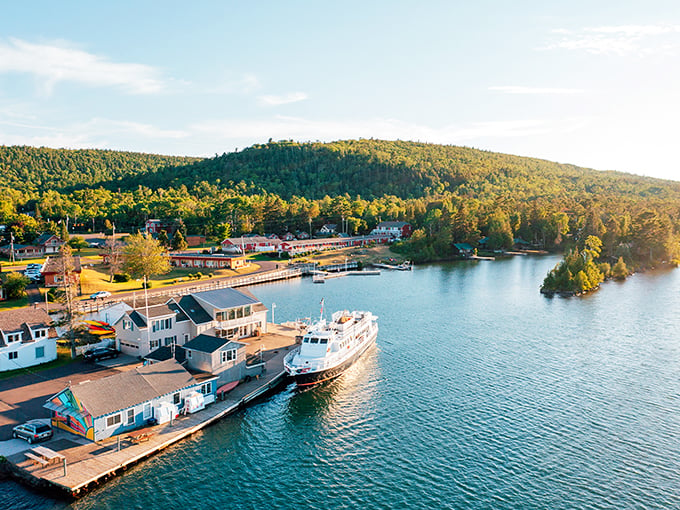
(26, 338)
(123, 402)
(225, 313)
(221, 357)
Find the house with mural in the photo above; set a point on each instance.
(27, 338)
(126, 401)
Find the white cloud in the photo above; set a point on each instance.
(57, 62)
(512, 89)
(293, 97)
(620, 39)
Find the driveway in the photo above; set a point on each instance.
(22, 397)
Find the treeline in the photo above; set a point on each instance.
(450, 195)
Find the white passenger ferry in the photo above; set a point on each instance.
(329, 348)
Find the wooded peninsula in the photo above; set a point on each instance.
(608, 223)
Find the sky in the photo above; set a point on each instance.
(594, 84)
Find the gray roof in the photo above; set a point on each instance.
(225, 298)
(180, 316)
(137, 318)
(127, 389)
(165, 353)
(210, 344)
(195, 312)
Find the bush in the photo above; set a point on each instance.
(121, 277)
(198, 275)
(210, 275)
(148, 285)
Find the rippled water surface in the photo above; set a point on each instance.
(480, 393)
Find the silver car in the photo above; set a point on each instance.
(33, 431)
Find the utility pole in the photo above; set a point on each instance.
(11, 247)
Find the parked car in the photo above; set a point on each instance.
(101, 294)
(33, 431)
(100, 353)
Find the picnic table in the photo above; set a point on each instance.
(141, 435)
(44, 456)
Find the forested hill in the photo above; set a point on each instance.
(370, 168)
(38, 169)
(375, 168)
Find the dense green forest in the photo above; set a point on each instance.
(450, 194)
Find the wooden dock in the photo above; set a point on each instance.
(84, 465)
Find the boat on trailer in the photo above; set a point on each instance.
(329, 348)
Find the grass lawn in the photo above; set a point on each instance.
(17, 303)
(63, 358)
(96, 278)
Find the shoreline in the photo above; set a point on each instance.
(88, 464)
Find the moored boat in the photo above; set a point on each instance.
(329, 348)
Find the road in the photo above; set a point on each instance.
(22, 397)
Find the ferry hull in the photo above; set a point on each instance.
(311, 378)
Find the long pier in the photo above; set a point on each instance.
(88, 464)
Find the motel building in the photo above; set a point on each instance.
(207, 261)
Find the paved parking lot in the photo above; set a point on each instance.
(22, 397)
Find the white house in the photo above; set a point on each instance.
(26, 338)
(145, 329)
(225, 313)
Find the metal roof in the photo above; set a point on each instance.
(225, 298)
(210, 344)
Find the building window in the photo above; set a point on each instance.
(147, 411)
(229, 355)
(161, 324)
(40, 352)
(246, 311)
(170, 340)
(13, 337)
(130, 416)
(40, 333)
(112, 421)
(186, 337)
(175, 398)
(154, 344)
(13, 355)
(127, 324)
(206, 388)
(188, 353)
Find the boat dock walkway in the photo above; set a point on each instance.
(87, 464)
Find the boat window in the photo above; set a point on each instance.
(315, 340)
(323, 340)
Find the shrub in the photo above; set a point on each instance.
(121, 277)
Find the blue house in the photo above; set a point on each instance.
(123, 402)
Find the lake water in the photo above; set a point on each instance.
(480, 393)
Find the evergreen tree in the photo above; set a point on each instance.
(178, 242)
